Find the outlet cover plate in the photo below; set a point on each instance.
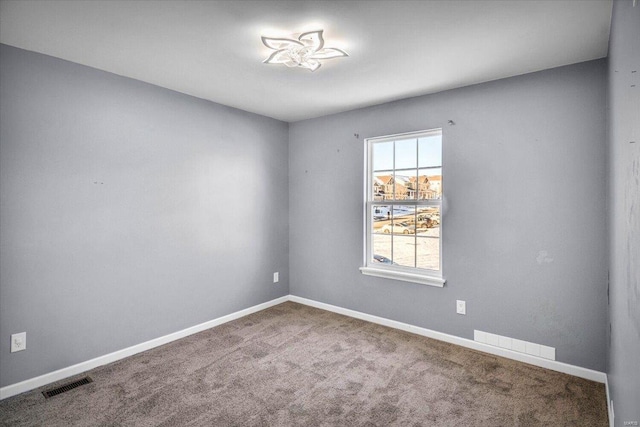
(18, 342)
(461, 307)
(276, 277)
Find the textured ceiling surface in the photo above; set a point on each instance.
(397, 49)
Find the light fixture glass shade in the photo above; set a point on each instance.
(306, 52)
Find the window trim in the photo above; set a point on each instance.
(393, 274)
(407, 274)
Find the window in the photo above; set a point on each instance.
(403, 221)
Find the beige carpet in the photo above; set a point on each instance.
(296, 365)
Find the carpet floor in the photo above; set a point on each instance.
(293, 365)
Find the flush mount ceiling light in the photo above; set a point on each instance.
(306, 52)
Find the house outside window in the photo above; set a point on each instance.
(403, 207)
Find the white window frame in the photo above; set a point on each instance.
(397, 272)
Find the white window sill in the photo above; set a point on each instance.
(404, 276)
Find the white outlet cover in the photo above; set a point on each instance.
(276, 277)
(18, 342)
(461, 307)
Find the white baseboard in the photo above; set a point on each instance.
(609, 404)
(554, 365)
(33, 383)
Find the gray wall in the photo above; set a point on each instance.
(525, 227)
(128, 212)
(624, 211)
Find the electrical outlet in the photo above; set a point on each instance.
(18, 342)
(276, 277)
(461, 307)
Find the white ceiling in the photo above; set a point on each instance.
(398, 49)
